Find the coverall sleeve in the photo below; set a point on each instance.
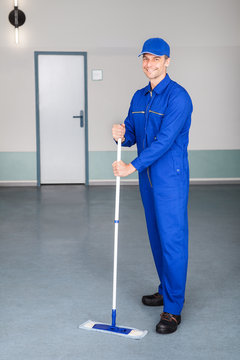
(130, 138)
(178, 110)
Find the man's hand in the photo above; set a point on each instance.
(121, 169)
(118, 131)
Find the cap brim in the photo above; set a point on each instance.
(149, 52)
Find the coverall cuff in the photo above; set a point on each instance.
(137, 164)
(124, 143)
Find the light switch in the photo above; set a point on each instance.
(97, 75)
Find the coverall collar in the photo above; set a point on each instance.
(160, 87)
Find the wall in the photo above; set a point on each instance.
(205, 53)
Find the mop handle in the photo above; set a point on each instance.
(116, 222)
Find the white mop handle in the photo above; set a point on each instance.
(116, 229)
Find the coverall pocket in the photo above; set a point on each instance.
(139, 121)
(177, 160)
(155, 121)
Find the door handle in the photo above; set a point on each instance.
(80, 116)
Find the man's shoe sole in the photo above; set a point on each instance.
(165, 331)
(160, 304)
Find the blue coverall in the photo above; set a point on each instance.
(158, 122)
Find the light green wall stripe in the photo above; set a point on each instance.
(18, 166)
(203, 163)
(21, 166)
(214, 163)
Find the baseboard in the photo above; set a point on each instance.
(18, 183)
(214, 181)
(113, 182)
(200, 181)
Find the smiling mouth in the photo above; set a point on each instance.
(150, 70)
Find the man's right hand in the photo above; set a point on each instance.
(118, 131)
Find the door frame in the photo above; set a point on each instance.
(36, 66)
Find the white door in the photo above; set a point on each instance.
(61, 119)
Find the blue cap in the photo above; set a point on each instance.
(156, 46)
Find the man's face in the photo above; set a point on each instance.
(154, 67)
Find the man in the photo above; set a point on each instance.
(158, 122)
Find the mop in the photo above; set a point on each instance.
(128, 332)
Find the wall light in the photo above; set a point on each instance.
(17, 18)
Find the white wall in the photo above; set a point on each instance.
(205, 44)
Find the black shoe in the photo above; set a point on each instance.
(168, 323)
(153, 300)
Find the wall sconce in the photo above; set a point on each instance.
(17, 18)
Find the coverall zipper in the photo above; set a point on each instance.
(148, 170)
(149, 177)
(150, 182)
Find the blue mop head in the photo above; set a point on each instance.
(115, 330)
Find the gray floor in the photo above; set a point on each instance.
(56, 272)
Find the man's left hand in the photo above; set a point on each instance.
(121, 169)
